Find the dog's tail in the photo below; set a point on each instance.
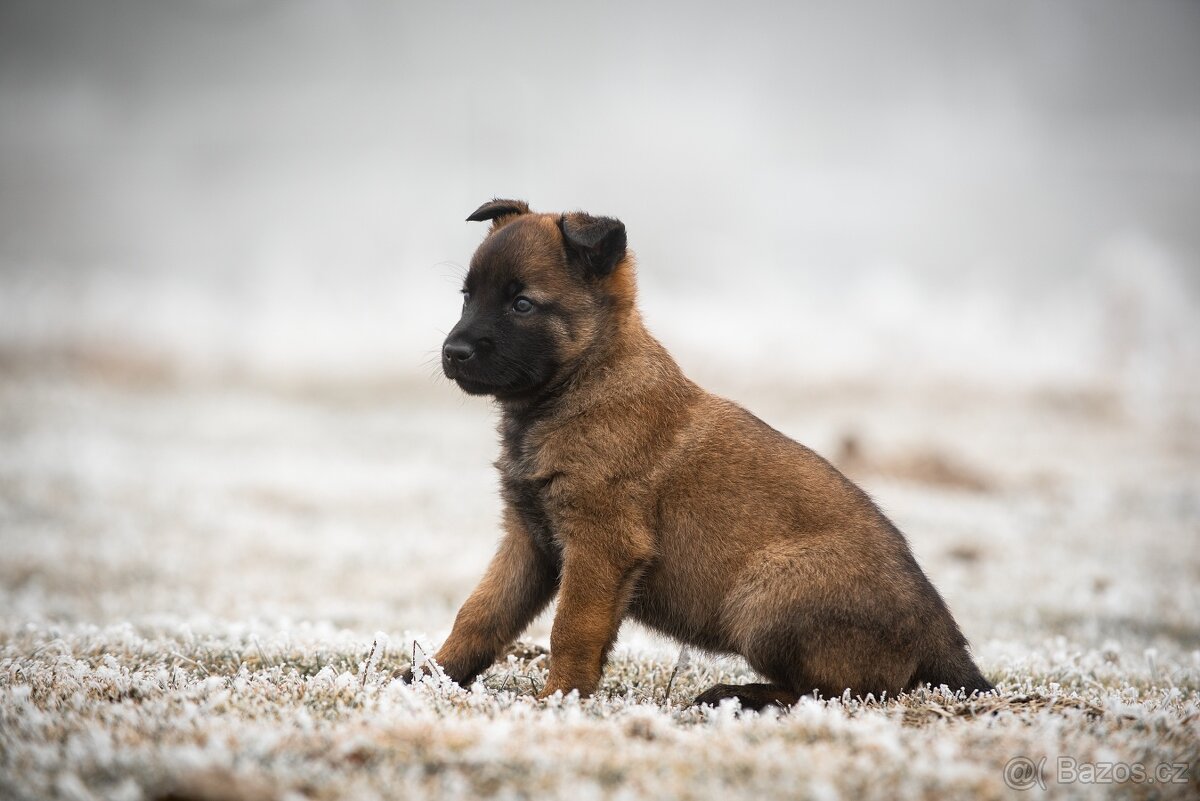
(949, 662)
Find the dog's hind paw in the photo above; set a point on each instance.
(750, 696)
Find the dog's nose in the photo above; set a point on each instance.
(458, 351)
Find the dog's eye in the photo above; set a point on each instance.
(466, 296)
(522, 305)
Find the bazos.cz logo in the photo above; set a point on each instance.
(1023, 773)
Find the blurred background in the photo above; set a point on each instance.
(955, 246)
(977, 191)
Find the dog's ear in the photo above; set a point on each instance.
(497, 209)
(596, 243)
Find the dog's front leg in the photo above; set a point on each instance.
(598, 578)
(519, 582)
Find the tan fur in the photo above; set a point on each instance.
(635, 493)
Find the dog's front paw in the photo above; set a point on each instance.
(414, 672)
(550, 689)
(585, 686)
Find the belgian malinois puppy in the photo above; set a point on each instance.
(631, 492)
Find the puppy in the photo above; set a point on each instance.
(629, 491)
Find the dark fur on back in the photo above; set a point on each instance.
(630, 491)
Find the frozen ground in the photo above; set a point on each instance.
(208, 583)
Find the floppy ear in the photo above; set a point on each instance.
(597, 243)
(497, 208)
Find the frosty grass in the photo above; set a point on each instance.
(207, 591)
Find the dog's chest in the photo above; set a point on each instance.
(525, 499)
(524, 481)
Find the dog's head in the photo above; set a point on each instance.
(542, 292)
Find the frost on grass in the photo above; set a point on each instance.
(209, 593)
(122, 712)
